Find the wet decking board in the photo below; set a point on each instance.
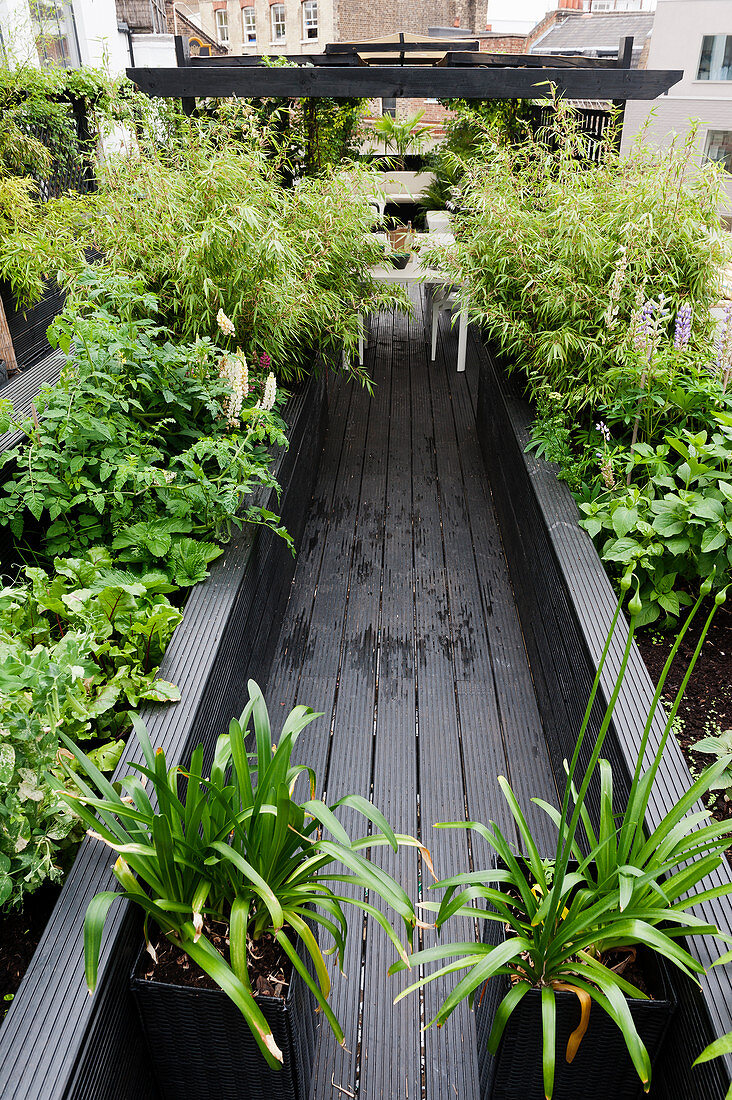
(401, 627)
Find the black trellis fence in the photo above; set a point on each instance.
(72, 167)
(594, 124)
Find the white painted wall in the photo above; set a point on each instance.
(154, 50)
(17, 32)
(676, 43)
(100, 43)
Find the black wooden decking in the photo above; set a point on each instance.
(402, 628)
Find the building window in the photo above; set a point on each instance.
(310, 19)
(389, 107)
(249, 26)
(277, 15)
(719, 148)
(222, 26)
(54, 28)
(716, 57)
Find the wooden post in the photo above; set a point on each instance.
(625, 57)
(7, 351)
(183, 58)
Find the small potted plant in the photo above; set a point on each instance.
(401, 240)
(585, 929)
(229, 869)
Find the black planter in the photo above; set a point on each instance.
(400, 259)
(602, 1068)
(201, 1046)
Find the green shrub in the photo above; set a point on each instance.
(673, 522)
(135, 440)
(79, 646)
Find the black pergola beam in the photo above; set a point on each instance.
(529, 60)
(436, 46)
(394, 81)
(252, 59)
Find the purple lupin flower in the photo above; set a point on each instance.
(682, 330)
(643, 324)
(264, 361)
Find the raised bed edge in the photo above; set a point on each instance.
(565, 603)
(57, 1042)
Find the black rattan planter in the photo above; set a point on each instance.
(602, 1068)
(200, 1045)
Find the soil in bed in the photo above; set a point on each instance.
(707, 705)
(20, 934)
(269, 967)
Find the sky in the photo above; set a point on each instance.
(524, 11)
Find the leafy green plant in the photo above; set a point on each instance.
(719, 744)
(36, 827)
(404, 135)
(78, 648)
(723, 1045)
(552, 439)
(135, 446)
(237, 845)
(675, 524)
(632, 887)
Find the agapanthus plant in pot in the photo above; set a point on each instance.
(569, 940)
(231, 868)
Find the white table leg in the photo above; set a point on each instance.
(435, 325)
(462, 338)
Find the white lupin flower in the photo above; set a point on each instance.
(226, 325)
(270, 392)
(236, 371)
(269, 395)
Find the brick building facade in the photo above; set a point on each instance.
(305, 26)
(356, 20)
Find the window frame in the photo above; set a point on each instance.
(726, 55)
(307, 7)
(222, 25)
(276, 21)
(727, 157)
(249, 11)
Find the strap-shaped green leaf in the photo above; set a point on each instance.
(549, 1037)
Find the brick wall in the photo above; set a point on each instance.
(503, 43)
(359, 20)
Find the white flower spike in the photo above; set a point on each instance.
(226, 325)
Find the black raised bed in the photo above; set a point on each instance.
(57, 1041)
(565, 602)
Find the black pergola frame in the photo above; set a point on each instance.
(458, 72)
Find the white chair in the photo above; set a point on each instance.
(438, 221)
(444, 299)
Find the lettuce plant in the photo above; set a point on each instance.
(630, 886)
(237, 845)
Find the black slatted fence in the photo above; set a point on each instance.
(594, 124)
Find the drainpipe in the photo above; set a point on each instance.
(123, 28)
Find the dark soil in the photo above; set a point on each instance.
(707, 705)
(269, 967)
(20, 934)
(636, 966)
